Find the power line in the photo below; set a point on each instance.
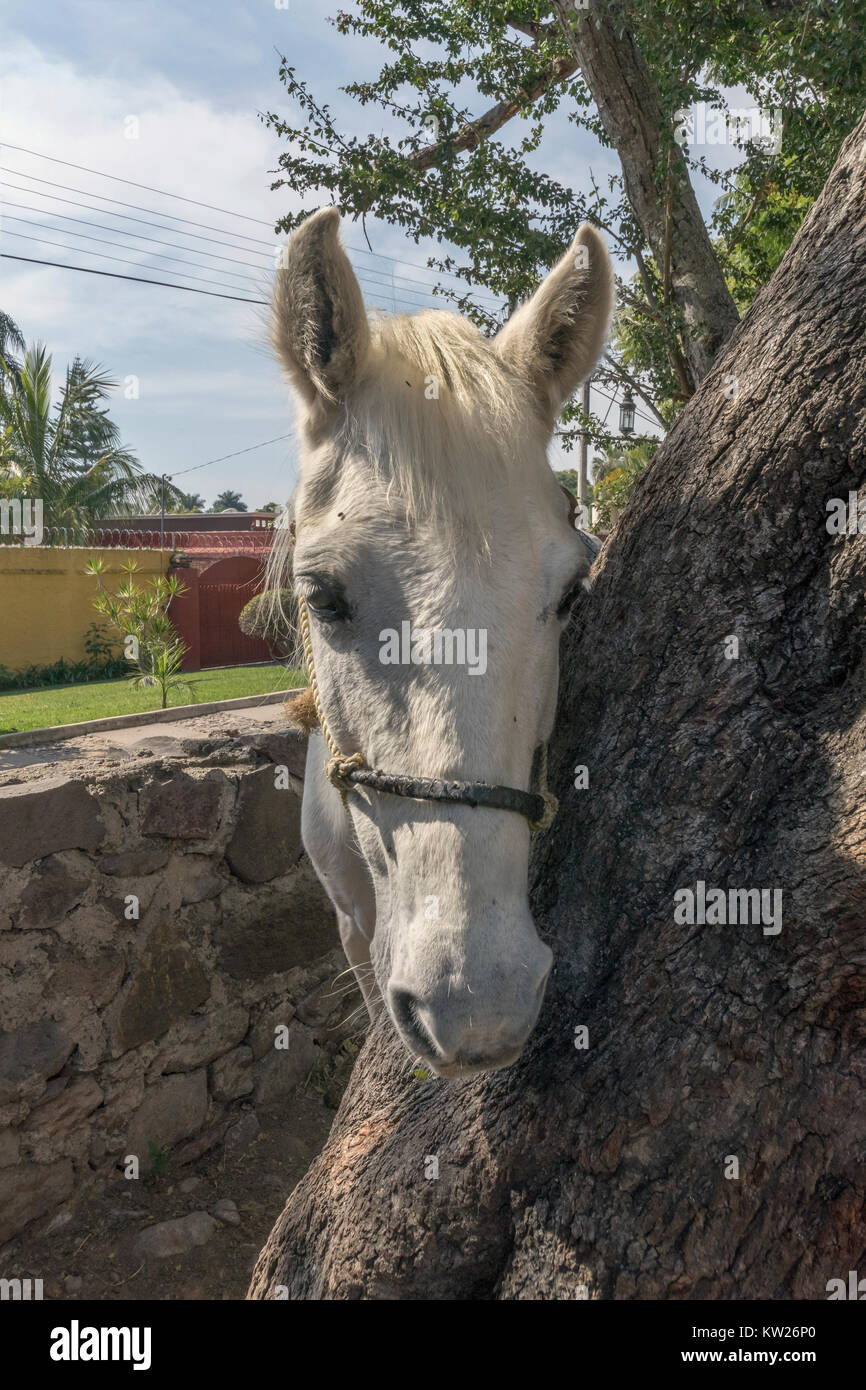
(121, 245)
(363, 272)
(116, 275)
(165, 284)
(399, 298)
(121, 260)
(365, 251)
(613, 401)
(132, 184)
(409, 279)
(223, 457)
(157, 241)
(154, 212)
(138, 279)
(196, 203)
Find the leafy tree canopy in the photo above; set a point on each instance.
(457, 72)
(229, 501)
(67, 453)
(190, 502)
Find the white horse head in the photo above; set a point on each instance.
(438, 562)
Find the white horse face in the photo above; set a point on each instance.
(436, 556)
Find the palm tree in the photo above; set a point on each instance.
(190, 502)
(11, 342)
(229, 502)
(70, 455)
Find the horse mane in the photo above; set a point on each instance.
(439, 417)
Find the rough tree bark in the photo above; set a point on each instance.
(631, 111)
(605, 1167)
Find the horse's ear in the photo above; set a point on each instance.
(555, 339)
(319, 326)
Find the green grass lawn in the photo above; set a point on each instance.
(70, 704)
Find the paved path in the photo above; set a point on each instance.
(154, 738)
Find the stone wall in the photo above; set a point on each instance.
(167, 960)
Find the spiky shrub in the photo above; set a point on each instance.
(160, 666)
(139, 612)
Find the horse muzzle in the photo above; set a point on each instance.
(458, 1031)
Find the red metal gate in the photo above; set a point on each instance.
(222, 642)
(206, 612)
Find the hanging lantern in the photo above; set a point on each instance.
(626, 413)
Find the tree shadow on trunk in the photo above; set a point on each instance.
(705, 1142)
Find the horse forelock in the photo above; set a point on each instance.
(437, 417)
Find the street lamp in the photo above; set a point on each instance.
(626, 413)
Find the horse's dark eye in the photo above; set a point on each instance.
(325, 600)
(326, 613)
(327, 607)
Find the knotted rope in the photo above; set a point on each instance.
(342, 769)
(339, 765)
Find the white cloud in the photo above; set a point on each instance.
(196, 357)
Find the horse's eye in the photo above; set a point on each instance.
(325, 601)
(327, 607)
(325, 613)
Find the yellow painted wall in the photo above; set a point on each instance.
(46, 599)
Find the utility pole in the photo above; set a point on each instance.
(162, 516)
(583, 472)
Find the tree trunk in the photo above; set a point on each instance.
(633, 116)
(611, 1167)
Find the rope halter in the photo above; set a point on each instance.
(345, 771)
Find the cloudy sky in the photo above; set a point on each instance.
(169, 97)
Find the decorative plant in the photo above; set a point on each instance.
(268, 616)
(140, 615)
(160, 665)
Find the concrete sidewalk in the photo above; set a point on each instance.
(163, 736)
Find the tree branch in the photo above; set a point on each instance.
(644, 275)
(637, 388)
(471, 135)
(633, 111)
(642, 305)
(532, 29)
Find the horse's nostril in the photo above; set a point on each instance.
(404, 1008)
(455, 1033)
